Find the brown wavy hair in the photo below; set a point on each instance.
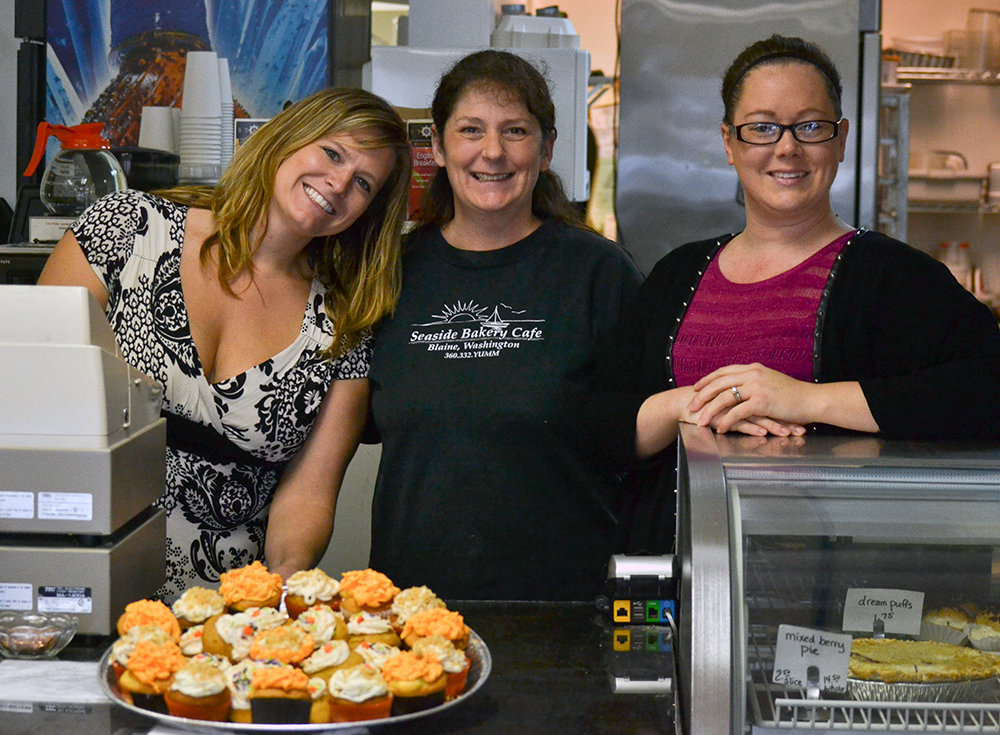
(514, 78)
(359, 267)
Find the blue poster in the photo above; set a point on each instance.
(106, 59)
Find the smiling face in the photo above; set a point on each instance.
(787, 178)
(324, 187)
(492, 149)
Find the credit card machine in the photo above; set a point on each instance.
(642, 590)
(642, 602)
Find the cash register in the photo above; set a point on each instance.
(82, 460)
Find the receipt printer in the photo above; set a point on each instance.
(643, 589)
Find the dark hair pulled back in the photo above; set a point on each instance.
(513, 79)
(778, 50)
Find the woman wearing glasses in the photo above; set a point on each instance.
(800, 319)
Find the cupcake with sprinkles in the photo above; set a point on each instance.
(328, 658)
(288, 644)
(370, 627)
(231, 635)
(238, 678)
(310, 587)
(250, 586)
(323, 623)
(376, 654)
(319, 713)
(366, 590)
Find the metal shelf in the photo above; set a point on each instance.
(913, 74)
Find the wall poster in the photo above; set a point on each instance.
(106, 59)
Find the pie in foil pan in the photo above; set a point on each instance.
(973, 690)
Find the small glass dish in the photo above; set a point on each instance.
(35, 635)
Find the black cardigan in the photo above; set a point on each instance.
(925, 351)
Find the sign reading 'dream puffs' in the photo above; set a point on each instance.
(895, 611)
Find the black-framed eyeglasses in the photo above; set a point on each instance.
(767, 133)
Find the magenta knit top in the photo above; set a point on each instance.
(770, 321)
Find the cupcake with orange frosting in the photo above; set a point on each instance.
(358, 693)
(199, 691)
(197, 605)
(411, 601)
(288, 644)
(122, 648)
(149, 612)
(250, 586)
(416, 682)
(279, 695)
(437, 621)
(454, 662)
(366, 590)
(310, 587)
(370, 627)
(323, 623)
(150, 671)
(328, 658)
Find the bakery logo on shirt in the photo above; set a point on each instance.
(470, 331)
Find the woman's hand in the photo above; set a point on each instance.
(753, 393)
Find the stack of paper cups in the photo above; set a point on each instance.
(156, 129)
(226, 94)
(200, 145)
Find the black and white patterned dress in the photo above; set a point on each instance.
(228, 441)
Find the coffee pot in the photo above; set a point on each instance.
(82, 172)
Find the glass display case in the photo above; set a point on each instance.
(782, 531)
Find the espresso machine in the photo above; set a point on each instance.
(82, 459)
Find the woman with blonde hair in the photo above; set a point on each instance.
(251, 304)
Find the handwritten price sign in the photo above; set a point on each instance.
(805, 657)
(894, 611)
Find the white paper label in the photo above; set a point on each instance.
(66, 506)
(17, 505)
(797, 649)
(15, 596)
(22, 708)
(899, 611)
(74, 600)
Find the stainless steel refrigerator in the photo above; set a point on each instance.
(673, 183)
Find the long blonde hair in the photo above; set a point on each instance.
(360, 267)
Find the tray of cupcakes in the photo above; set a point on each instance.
(306, 654)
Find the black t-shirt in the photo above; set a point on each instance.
(481, 494)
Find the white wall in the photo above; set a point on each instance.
(8, 93)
